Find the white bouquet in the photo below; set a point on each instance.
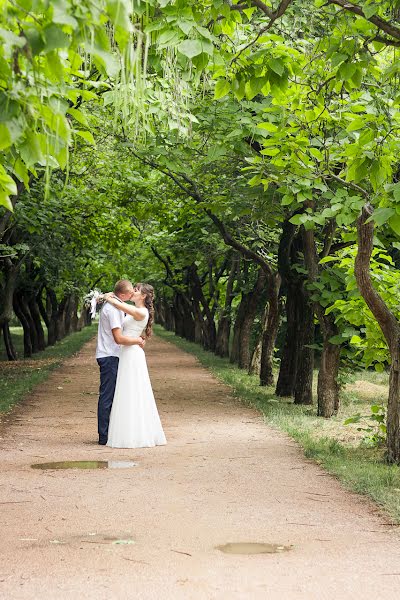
(93, 299)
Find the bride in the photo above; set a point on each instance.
(134, 420)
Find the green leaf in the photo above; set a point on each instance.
(336, 340)
(61, 16)
(370, 10)
(5, 137)
(222, 88)
(5, 200)
(190, 48)
(337, 58)
(35, 39)
(346, 71)
(86, 135)
(268, 127)
(396, 191)
(394, 223)
(79, 116)
(55, 38)
(356, 124)
(381, 215)
(119, 11)
(277, 65)
(106, 61)
(31, 151)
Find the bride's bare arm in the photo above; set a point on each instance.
(137, 313)
(124, 340)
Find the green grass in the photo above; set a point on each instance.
(333, 445)
(17, 379)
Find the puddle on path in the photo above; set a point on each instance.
(86, 464)
(252, 548)
(122, 538)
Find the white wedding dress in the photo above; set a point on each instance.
(134, 420)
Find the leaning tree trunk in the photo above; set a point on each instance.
(389, 325)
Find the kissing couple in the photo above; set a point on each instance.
(127, 412)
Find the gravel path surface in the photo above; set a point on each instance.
(151, 531)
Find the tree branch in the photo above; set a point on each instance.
(349, 184)
(386, 320)
(377, 21)
(273, 17)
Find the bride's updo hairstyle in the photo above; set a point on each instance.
(147, 291)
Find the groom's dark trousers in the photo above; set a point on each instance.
(108, 378)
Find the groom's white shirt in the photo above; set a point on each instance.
(110, 318)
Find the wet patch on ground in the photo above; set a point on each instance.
(253, 548)
(86, 464)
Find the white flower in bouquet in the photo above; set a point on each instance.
(93, 299)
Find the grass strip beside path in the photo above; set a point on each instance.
(18, 378)
(326, 441)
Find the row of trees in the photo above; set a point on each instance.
(237, 145)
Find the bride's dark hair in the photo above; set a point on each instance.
(148, 291)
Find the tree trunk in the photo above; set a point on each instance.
(207, 323)
(10, 273)
(61, 331)
(18, 309)
(8, 343)
(286, 383)
(159, 311)
(253, 300)
(291, 282)
(389, 325)
(35, 313)
(237, 328)
(271, 330)
(305, 365)
(169, 317)
(52, 311)
(328, 388)
(255, 361)
(224, 324)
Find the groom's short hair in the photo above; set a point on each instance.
(122, 286)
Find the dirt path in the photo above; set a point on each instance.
(151, 531)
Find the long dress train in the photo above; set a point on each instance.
(134, 419)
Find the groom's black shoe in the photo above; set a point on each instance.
(102, 441)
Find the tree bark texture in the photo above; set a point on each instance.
(225, 320)
(389, 325)
(8, 343)
(271, 331)
(328, 388)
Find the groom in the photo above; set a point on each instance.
(109, 340)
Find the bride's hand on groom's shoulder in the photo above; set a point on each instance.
(108, 296)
